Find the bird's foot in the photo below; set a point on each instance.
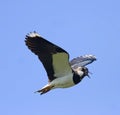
(44, 89)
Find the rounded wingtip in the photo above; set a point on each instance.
(32, 34)
(90, 56)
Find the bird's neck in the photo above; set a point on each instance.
(77, 78)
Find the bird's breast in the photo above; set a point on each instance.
(63, 82)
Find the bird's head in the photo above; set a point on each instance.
(82, 72)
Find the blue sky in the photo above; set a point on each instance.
(80, 27)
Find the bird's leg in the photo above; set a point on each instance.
(45, 89)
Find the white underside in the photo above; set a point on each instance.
(62, 82)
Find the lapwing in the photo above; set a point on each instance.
(61, 73)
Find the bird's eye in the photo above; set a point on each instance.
(83, 69)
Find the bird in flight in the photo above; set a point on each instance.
(61, 73)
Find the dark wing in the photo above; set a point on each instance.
(82, 61)
(54, 59)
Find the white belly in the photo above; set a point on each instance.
(63, 82)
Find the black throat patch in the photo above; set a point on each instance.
(76, 78)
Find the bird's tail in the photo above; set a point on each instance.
(45, 89)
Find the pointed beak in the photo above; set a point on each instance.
(89, 75)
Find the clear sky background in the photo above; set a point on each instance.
(80, 27)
